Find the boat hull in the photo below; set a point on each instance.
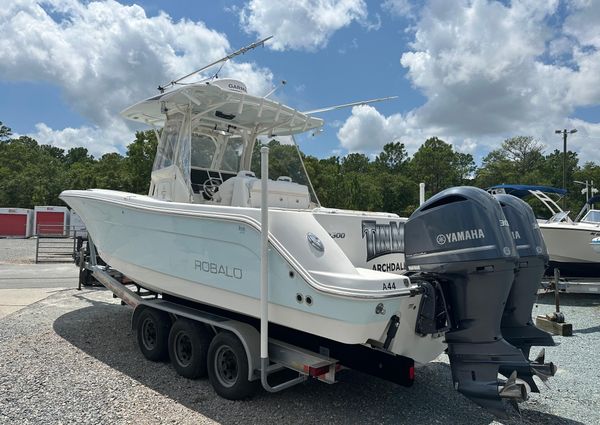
(215, 261)
(570, 249)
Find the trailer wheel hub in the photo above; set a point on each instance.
(183, 349)
(149, 334)
(226, 366)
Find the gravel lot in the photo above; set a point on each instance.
(17, 250)
(72, 358)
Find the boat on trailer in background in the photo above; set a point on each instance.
(573, 244)
(251, 275)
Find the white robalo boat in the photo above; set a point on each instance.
(336, 279)
(197, 235)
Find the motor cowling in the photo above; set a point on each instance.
(461, 238)
(460, 224)
(517, 326)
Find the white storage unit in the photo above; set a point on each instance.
(51, 220)
(77, 225)
(16, 222)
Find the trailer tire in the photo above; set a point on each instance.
(228, 367)
(153, 334)
(188, 348)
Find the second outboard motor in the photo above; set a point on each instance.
(517, 326)
(461, 238)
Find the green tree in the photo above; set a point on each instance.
(524, 152)
(109, 171)
(464, 165)
(553, 168)
(78, 155)
(325, 175)
(355, 163)
(30, 174)
(53, 152)
(393, 158)
(81, 175)
(399, 193)
(434, 164)
(519, 160)
(5, 132)
(137, 166)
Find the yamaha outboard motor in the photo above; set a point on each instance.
(517, 326)
(460, 237)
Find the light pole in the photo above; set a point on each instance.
(564, 133)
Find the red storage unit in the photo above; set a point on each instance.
(51, 221)
(16, 222)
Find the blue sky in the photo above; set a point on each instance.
(470, 72)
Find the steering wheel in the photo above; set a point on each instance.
(211, 186)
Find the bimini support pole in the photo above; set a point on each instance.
(265, 369)
(264, 262)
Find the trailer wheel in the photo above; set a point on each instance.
(188, 348)
(153, 334)
(228, 367)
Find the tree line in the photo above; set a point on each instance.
(34, 174)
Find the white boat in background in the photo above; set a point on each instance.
(337, 279)
(569, 241)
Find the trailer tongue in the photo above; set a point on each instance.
(462, 239)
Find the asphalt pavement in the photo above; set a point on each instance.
(22, 282)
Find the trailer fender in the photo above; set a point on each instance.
(250, 338)
(135, 316)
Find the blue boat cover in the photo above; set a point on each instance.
(594, 199)
(522, 190)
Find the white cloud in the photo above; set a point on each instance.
(105, 56)
(302, 24)
(491, 71)
(398, 7)
(97, 140)
(365, 129)
(368, 130)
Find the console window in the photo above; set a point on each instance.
(203, 150)
(232, 154)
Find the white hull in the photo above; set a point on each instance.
(570, 249)
(209, 254)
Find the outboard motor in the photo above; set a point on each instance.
(461, 238)
(517, 326)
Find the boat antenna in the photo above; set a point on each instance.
(347, 105)
(283, 83)
(241, 51)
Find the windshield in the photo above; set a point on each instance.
(232, 154)
(166, 150)
(593, 216)
(203, 150)
(216, 151)
(559, 216)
